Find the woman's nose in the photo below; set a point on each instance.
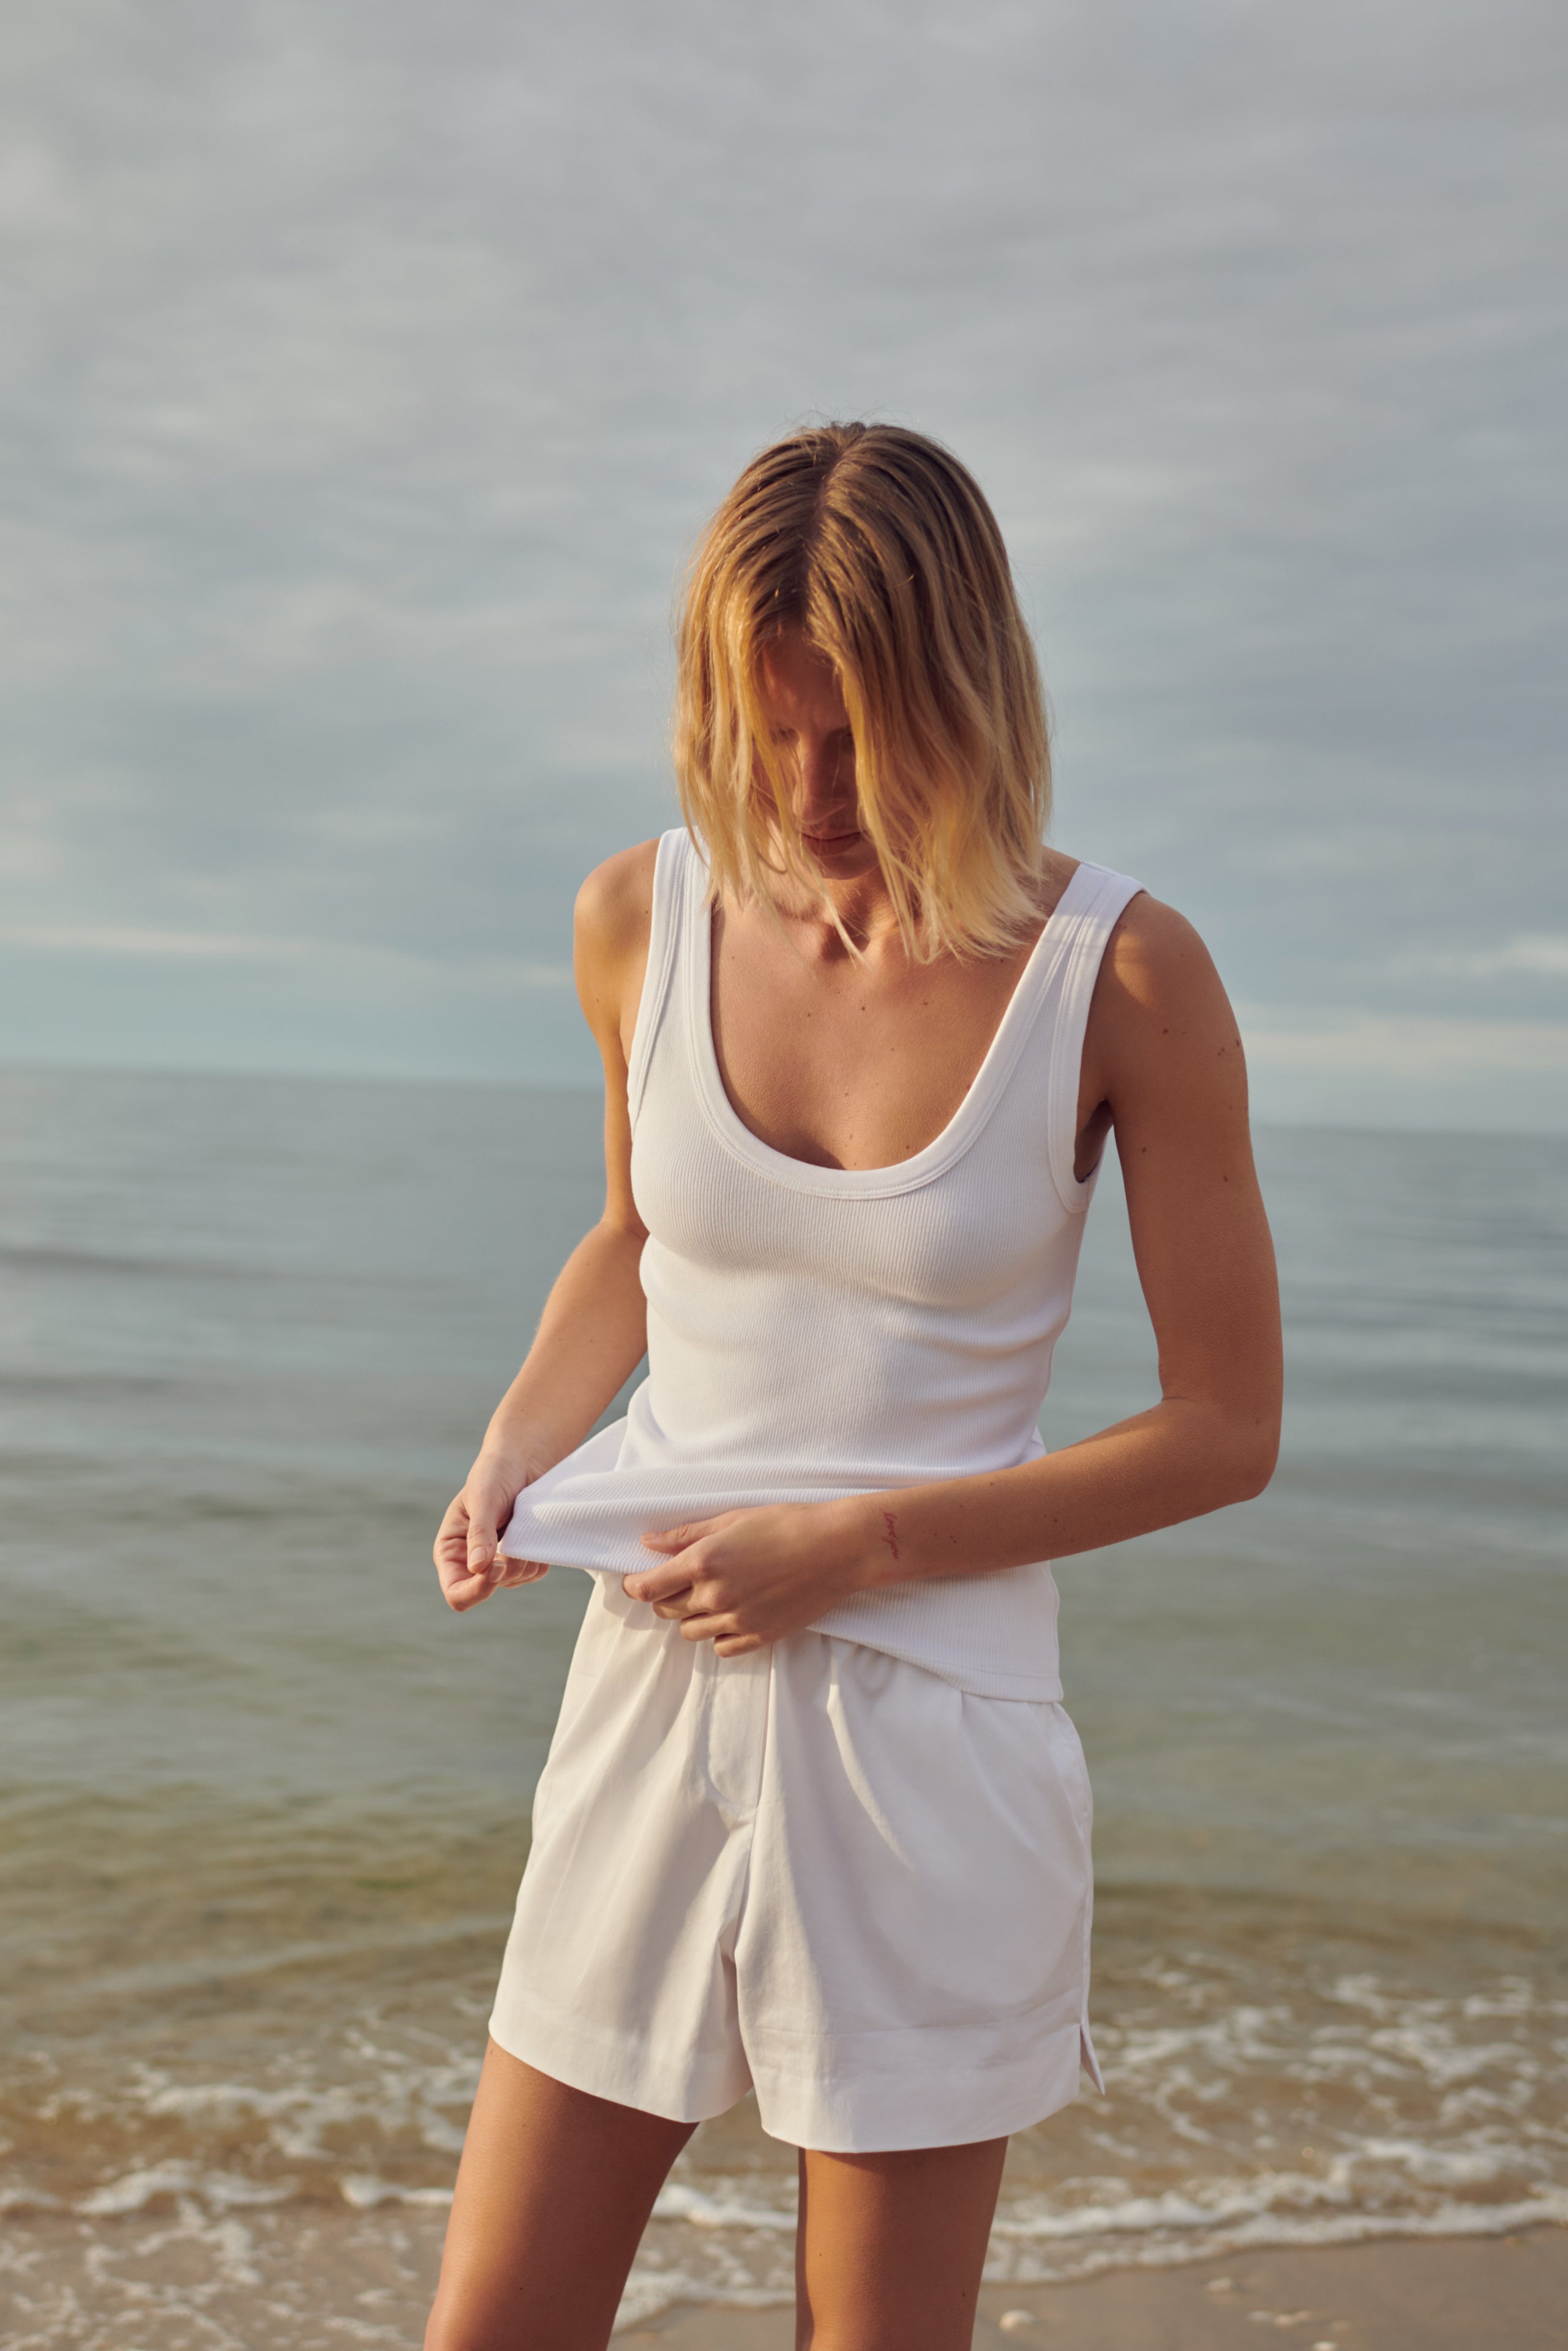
(827, 779)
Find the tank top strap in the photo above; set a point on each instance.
(1083, 921)
(674, 864)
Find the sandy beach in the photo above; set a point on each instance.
(310, 2281)
(1398, 2296)
(1394, 2296)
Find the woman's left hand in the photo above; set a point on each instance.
(748, 1577)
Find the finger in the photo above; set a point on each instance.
(449, 1534)
(672, 1539)
(685, 1603)
(740, 1645)
(482, 1541)
(518, 1571)
(451, 1566)
(668, 1539)
(660, 1582)
(452, 1561)
(704, 1625)
(464, 1591)
(452, 1552)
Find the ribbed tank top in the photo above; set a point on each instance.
(818, 1331)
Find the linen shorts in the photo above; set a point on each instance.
(816, 1871)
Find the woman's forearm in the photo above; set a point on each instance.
(591, 1337)
(1176, 1461)
(750, 1576)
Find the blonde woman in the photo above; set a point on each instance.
(814, 1821)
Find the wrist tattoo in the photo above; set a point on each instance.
(891, 1537)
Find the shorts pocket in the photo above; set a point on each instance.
(1073, 1766)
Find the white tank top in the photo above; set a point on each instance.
(817, 1332)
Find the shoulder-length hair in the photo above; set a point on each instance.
(878, 545)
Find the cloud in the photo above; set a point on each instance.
(369, 373)
(1408, 1069)
(328, 958)
(1403, 1047)
(1541, 954)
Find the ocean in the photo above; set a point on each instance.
(265, 1800)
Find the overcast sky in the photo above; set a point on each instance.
(370, 367)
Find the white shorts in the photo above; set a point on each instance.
(816, 1871)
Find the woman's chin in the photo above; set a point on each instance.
(841, 856)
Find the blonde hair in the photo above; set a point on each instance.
(877, 545)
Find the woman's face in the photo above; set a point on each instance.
(805, 709)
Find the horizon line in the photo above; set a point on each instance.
(589, 1088)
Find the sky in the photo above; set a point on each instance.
(367, 371)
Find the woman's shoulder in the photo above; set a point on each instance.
(612, 921)
(1155, 955)
(1159, 1017)
(1147, 943)
(614, 905)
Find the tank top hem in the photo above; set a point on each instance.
(975, 1681)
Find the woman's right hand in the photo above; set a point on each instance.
(467, 1558)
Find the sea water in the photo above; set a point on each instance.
(265, 1800)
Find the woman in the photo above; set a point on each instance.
(814, 1820)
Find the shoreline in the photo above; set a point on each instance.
(1389, 2294)
(298, 2277)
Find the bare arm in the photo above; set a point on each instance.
(593, 1329)
(1162, 1064)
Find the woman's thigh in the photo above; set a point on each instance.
(890, 2247)
(553, 2193)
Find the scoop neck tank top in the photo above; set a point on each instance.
(820, 1332)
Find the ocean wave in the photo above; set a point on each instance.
(219, 2191)
(366, 2193)
(1327, 2112)
(1150, 2233)
(713, 2209)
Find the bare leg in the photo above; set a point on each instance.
(890, 2247)
(553, 2193)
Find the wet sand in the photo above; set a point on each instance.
(310, 2279)
(1404, 2295)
